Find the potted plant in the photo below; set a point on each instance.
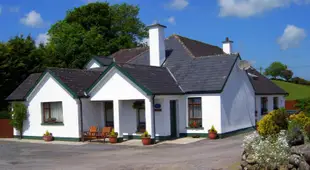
(146, 138)
(113, 136)
(193, 124)
(212, 133)
(47, 136)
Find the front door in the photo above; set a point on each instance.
(173, 118)
(108, 112)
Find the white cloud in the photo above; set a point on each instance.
(145, 41)
(14, 9)
(171, 20)
(291, 37)
(247, 8)
(178, 4)
(32, 19)
(42, 39)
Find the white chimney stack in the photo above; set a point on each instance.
(157, 44)
(227, 46)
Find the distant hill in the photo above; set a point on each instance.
(296, 91)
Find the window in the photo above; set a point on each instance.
(275, 103)
(52, 112)
(264, 101)
(194, 112)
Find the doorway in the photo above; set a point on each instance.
(173, 118)
(108, 112)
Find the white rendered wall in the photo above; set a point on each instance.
(157, 45)
(92, 64)
(237, 102)
(48, 90)
(116, 86)
(211, 113)
(281, 103)
(128, 117)
(93, 114)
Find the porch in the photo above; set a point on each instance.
(130, 118)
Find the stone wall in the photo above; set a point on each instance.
(298, 160)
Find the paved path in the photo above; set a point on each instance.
(205, 154)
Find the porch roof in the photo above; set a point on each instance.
(152, 80)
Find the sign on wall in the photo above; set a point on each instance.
(157, 107)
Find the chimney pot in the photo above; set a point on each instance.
(227, 46)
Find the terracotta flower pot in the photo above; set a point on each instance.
(48, 138)
(146, 141)
(113, 139)
(212, 135)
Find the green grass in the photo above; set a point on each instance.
(296, 91)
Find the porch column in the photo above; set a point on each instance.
(149, 119)
(117, 108)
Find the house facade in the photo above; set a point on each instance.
(175, 87)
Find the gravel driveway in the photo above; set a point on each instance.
(205, 154)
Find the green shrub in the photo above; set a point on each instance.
(269, 152)
(273, 123)
(304, 105)
(301, 118)
(113, 134)
(145, 135)
(19, 115)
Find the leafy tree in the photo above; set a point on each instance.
(19, 57)
(298, 80)
(94, 29)
(275, 69)
(19, 114)
(287, 74)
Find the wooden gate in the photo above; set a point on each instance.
(6, 130)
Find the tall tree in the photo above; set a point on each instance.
(94, 29)
(275, 69)
(19, 57)
(287, 74)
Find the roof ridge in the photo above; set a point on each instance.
(184, 46)
(142, 65)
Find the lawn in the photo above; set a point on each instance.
(296, 91)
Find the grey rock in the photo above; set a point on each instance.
(243, 157)
(303, 165)
(294, 160)
(250, 159)
(244, 163)
(302, 149)
(290, 166)
(294, 169)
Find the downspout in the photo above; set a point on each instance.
(81, 119)
(153, 115)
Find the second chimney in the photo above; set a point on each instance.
(157, 44)
(227, 46)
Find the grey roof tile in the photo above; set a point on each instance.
(21, 91)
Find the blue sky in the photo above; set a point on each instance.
(263, 31)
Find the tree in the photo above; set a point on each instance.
(275, 69)
(19, 115)
(287, 74)
(95, 29)
(19, 57)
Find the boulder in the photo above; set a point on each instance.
(250, 159)
(303, 165)
(303, 150)
(294, 160)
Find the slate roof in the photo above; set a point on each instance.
(77, 80)
(21, 91)
(103, 60)
(125, 55)
(157, 80)
(198, 48)
(203, 74)
(264, 86)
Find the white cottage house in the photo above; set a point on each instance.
(162, 88)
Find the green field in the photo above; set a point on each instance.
(296, 91)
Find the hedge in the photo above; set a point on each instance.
(5, 115)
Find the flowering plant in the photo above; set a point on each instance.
(193, 124)
(47, 133)
(145, 135)
(269, 152)
(113, 134)
(212, 130)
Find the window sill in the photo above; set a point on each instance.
(200, 128)
(53, 124)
